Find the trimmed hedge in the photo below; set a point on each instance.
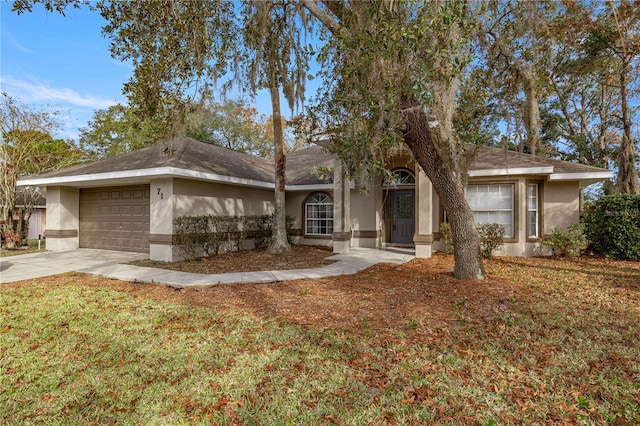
(612, 226)
(210, 234)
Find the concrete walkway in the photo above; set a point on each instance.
(111, 264)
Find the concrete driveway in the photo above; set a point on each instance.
(37, 265)
(112, 264)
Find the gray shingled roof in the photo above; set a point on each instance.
(488, 158)
(189, 154)
(302, 165)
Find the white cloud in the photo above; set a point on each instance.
(19, 46)
(29, 92)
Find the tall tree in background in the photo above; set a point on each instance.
(273, 34)
(514, 37)
(230, 123)
(594, 75)
(478, 115)
(26, 147)
(613, 42)
(578, 116)
(118, 129)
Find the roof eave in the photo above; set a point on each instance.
(584, 179)
(140, 176)
(511, 171)
(311, 187)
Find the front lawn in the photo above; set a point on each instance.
(541, 341)
(31, 247)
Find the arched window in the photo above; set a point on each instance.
(318, 214)
(399, 177)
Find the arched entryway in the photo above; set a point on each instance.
(399, 189)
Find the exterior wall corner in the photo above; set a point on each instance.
(62, 218)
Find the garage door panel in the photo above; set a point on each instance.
(115, 218)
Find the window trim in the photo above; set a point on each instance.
(516, 204)
(540, 210)
(304, 216)
(390, 186)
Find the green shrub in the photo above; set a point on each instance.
(612, 226)
(491, 236)
(446, 238)
(567, 242)
(210, 234)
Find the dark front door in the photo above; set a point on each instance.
(404, 217)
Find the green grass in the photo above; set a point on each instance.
(86, 355)
(32, 247)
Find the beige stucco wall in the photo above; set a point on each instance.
(193, 198)
(423, 238)
(561, 205)
(63, 216)
(294, 207)
(161, 216)
(161, 206)
(366, 215)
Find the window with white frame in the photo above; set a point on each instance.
(492, 204)
(533, 223)
(318, 214)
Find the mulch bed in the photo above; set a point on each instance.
(300, 257)
(420, 299)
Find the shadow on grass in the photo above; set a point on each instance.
(617, 273)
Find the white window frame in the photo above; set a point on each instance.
(533, 207)
(510, 230)
(318, 215)
(399, 178)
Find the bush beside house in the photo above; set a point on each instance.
(568, 242)
(612, 226)
(211, 234)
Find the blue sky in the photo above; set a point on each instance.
(49, 61)
(62, 63)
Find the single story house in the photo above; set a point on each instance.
(128, 202)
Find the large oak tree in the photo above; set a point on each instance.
(395, 69)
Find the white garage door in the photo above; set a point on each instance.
(115, 218)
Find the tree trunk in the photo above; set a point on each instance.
(627, 171)
(531, 112)
(279, 242)
(450, 189)
(20, 226)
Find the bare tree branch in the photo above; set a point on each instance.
(326, 19)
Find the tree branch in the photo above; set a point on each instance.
(326, 19)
